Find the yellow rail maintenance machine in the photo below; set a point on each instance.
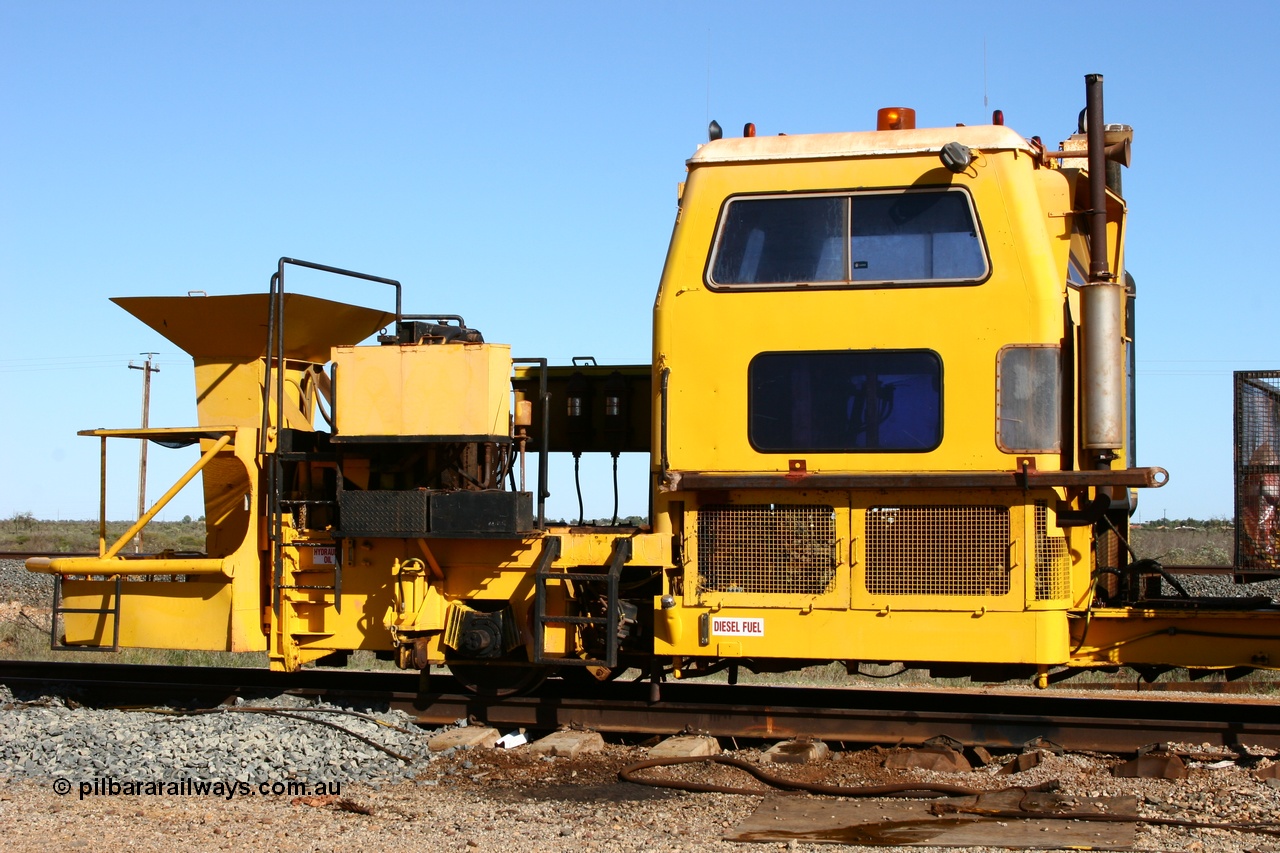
(889, 417)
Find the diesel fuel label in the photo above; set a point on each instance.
(721, 627)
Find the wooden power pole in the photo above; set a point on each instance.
(147, 370)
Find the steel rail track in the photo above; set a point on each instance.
(993, 719)
(22, 555)
(996, 720)
(134, 685)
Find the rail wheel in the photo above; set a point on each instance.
(498, 679)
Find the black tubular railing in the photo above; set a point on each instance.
(275, 360)
(544, 573)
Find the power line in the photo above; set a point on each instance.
(79, 362)
(76, 356)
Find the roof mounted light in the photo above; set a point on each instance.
(895, 118)
(713, 131)
(749, 129)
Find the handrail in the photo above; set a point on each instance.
(121, 566)
(1150, 478)
(275, 333)
(109, 563)
(275, 347)
(168, 496)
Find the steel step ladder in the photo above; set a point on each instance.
(546, 573)
(335, 588)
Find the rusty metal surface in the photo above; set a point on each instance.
(1257, 470)
(939, 758)
(908, 717)
(1152, 765)
(1021, 763)
(784, 819)
(1210, 685)
(1131, 477)
(129, 685)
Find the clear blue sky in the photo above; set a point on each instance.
(517, 164)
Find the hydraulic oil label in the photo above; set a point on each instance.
(726, 627)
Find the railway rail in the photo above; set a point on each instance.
(22, 555)
(995, 719)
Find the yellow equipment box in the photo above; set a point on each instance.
(434, 391)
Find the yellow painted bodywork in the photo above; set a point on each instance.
(895, 635)
(1192, 638)
(153, 615)
(704, 339)
(849, 621)
(430, 390)
(389, 588)
(216, 612)
(226, 336)
(234, 328)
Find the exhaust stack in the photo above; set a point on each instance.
(1102, 302)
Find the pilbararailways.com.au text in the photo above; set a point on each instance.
(112, 787)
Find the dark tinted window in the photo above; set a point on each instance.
(844, 240)
(918, 236)
(845, 401)
(782, 241)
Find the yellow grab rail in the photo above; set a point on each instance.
(167, 496)
(120, 566)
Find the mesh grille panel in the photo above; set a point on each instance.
(1053, 561)
(384, 513)
(767, 548)
(1257, 437)
(938, 550)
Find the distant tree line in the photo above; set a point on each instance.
(1198, 523)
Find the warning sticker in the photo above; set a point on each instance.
(727, 627)
(324, 556)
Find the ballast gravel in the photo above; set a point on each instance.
(18, 584)
(291, 739)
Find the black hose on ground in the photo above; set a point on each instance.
(629, 774)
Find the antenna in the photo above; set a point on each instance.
(985, 102)
(708, 73)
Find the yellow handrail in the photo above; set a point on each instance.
(168, 496)
(120, 566)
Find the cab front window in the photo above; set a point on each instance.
(855, 239)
